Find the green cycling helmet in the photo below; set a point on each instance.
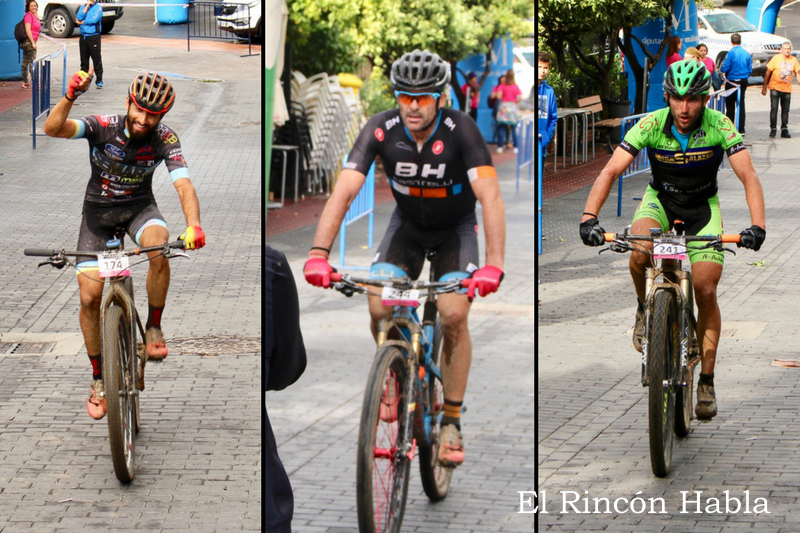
(687, 78)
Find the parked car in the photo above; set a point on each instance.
(58, 17)
(524, 71)
(716, 28)
(242, 18)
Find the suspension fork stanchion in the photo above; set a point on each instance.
(649, 284)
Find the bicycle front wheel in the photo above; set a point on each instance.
(435, 477)
(118, 375)
(382, 468)
(661, 368)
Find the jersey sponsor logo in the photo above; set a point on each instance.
(404, 146)
(350, 165)
(106, 120)
(390, 123)
(409, 170)
(651, 205)
(699, 134)
(146, 149)
(647, 123)
(114, 152)
(679, 158)
(438, 146)
(449, 123)
(379, 134)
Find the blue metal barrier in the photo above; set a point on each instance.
(41, 77)
(540, 174)
(525, 144)
(363, 205)
(641, 162)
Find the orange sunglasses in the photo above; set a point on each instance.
(424, 99)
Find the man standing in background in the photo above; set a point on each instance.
(778, 80)
(548, 111)
(90, 19)
(737, 67)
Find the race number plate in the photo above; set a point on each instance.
(669, 249)
(111, 265)
(391, 296)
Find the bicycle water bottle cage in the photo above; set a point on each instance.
(112, 244)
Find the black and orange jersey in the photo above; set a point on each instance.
(432, 186)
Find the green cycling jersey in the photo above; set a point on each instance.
(686, 178)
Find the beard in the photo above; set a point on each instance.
(138, 136)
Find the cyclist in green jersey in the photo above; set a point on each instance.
(685, 144)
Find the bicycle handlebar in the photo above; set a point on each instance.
(400, 282)
(45, 252)
(726, 238)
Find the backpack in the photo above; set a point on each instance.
(19, 31)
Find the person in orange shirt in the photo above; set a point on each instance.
(778, 80)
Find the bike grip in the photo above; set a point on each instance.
(44, 252)
(336, 276)
(178, 244)
(609, 237)
(731, 238)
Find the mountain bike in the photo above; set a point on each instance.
(670, 348)
(123, 360)
(403, 402)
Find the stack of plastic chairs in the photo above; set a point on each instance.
(333, 119)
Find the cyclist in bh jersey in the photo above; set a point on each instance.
(686, 142)
(438, 165)
(124, 151)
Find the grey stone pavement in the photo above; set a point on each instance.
(316, 420)
(199, 450)
(592, 427)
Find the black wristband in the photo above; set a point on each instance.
(68, 98)
(321, 248)
(590, 214)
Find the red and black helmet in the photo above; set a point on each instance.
(152, 92)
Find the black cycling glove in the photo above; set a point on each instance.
(592, 233)
(753, 237)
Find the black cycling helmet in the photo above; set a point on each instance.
(687, 78)
(420, 71)
(152, 92)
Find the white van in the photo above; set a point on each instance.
(241, 17)
(58, 16)
(716, 28)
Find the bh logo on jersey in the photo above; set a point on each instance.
(409, 170)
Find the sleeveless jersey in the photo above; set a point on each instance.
(432, 186)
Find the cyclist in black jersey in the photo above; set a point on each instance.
(124, 151)
(438, 165)
(685, 144)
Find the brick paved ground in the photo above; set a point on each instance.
(198, 453)
(316, 420)
(592, 425)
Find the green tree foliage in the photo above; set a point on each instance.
(338, 35)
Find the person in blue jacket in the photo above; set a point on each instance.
(548, 111)
(90, 20)
(737, 67)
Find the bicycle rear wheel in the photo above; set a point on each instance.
(435, 477)
(118, 375)
(662, 366)
(382, 470)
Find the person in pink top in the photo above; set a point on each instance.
(673, 50)
(32, 29)
(474, 88)
(508, 112)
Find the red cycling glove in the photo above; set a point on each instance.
(194, 238)
(318, 272)
(78, 79)
(486, 280)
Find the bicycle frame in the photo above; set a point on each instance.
(416, 343)
(679, 282)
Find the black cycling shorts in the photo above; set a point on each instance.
(99, 223)
(402, 250)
